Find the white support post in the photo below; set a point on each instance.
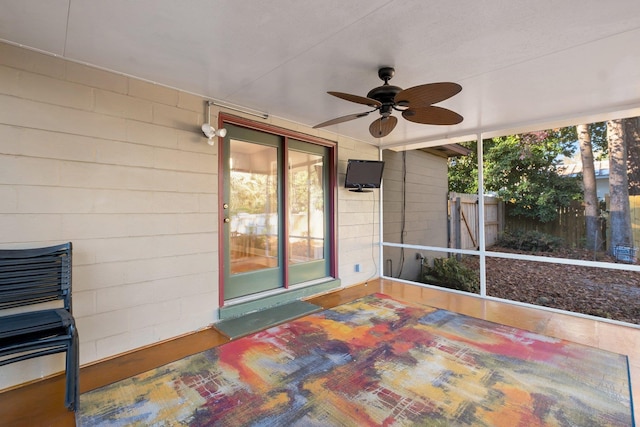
(481, 239)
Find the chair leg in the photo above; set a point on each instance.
(76, 367)
(73, 371)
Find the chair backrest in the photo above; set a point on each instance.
(32, 276)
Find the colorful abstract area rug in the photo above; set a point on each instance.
(376, 362)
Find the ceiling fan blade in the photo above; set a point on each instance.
(424, 95)
(358, 99)
(432, 115)
(383, 126)
(342, 119)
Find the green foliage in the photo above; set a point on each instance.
(522, 170)
(530, 241)
(539, 195)
(251, 192)
(463, 171)
(598, 134)
(450, 273)
(305, 191)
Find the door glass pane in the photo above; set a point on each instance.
(253, 207)
(306, 207)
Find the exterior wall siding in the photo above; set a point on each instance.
(425, 216)
(358, 222)
(118, 166)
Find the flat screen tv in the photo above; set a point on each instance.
(363, 174)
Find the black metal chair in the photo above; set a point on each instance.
(33, 276)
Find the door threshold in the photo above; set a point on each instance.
(237, 327)
(245, 305)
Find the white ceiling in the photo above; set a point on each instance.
(523, 64)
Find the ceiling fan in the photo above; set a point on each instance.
(415, 103)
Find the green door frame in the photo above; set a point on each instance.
(331, 195)
(264, 279)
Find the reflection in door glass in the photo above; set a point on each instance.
(253, 207)
(306, 207)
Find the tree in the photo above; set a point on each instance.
(619, 209)
(632, 135)
(522, 169)
(463, 170)
(591, 211)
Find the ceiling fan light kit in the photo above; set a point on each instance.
(414, 103)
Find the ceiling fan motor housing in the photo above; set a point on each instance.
(386, 93)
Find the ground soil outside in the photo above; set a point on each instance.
(609, 293)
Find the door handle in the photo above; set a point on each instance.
(227, 220)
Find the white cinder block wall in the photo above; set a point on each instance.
(118, 166)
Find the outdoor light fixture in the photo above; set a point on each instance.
(209, 131)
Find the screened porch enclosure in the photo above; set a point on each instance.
(473, 243)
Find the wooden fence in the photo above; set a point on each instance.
(570, 223)
(464, 220)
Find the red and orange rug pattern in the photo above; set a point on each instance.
(377, 362)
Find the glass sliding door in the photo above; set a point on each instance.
(307, 203)
(252, 210)
(275, 209)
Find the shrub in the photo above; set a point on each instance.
(449, 273)
(530, 241)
